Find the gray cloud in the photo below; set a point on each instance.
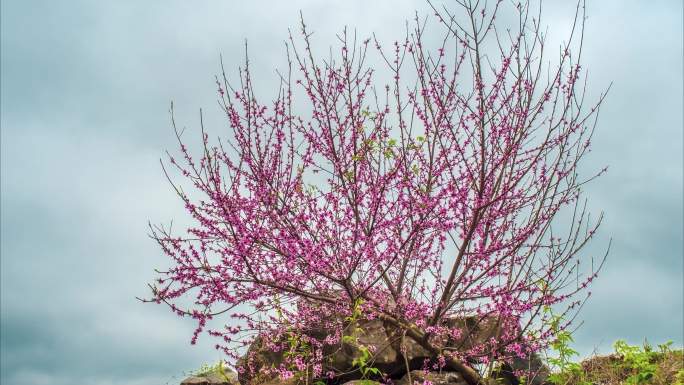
(85, 93)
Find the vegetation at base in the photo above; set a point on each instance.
(208, 369)
(628, 365)
(362, 362)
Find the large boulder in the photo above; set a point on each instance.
(435, 378)
(371, 337)
(367, 337)
(393, 352)
(258, 357)
(538, 373)
(477, 330)
(474, 331)
(227, 378)
(295, 380)
(384, 348)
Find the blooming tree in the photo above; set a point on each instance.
(433, 196)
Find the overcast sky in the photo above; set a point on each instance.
(86, 86)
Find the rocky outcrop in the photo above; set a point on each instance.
(435, 378)
(370, 334)
(362, 382)
(386, 350)
(227, 378)
(537, 371)
(257, 357)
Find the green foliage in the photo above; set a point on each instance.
(640, 360)
(635, 365)
(415, 169)
(356, 311)
(367, 382)
(297, 347)
(566, 369)
(366, 113)
(208, 369)
(680, 377)
(362, 362)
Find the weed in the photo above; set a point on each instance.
(566, 369)
(361, 362)
(208, 369)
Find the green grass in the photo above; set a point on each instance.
(628, 365)
(207, 370)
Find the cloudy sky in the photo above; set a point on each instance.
(86, 87)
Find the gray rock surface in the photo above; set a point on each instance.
(257, 357)
(369, 334)
(436, 378)
(390, 353)
(212, 379)
(538, 371)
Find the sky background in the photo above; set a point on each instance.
(86, 87)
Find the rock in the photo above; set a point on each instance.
(212, 379)
(257, 357)
(474, 331)
(371, 335)
(436, 378)
(599, 362)
(477, 330)
(290, 381)
(389, 352)
(362, 382)
(537, 372)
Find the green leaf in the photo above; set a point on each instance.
(367, 382)
(374, 371)
(348, 339)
